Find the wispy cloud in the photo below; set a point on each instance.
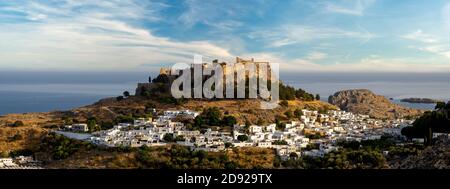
(98, 37)
(221, 15)
(369, 64)
(355, 8)
(294, 34)
(442, 50)
(317, 56)
(430, 43)
(365, 65)
(420, 36)
(126, 34)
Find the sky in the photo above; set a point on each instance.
(300, 35)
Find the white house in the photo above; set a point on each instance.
(7, 162)
(172, 114)
(257, 137)
(338, 129)
(265, 144)
(243, 144)
(142, 121)
(121, 125)
(278, 136)
(25, 159)
(82, 127)
(291, 130)
(271, 128)
(255, 129)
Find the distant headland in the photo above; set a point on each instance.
(421, 100)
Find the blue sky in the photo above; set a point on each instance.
(301, 35)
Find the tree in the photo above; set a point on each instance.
(67, 120)
(198, 121)
(61, 147)
(317, 97)
(288, 114)
(261, 122)
(18, 124)
(428, 123)
(298, 113)
(126, 94)
(150, 105)
(312, 146)
(278, 124)
(247, 123)
(229, 121)
(429, 136)
(440, 105)
(212, 116)
(228, 145)
(242, 138)
(146, 94)
(280, 142)
(201, 154)
(105, 125)
(124, 119)
(119, 98)
(150, 108)
(284, 103)
(168, 137)
(247, 126)
(150, 79)
(293, 155)
(323, 110)
(230, 165)
(92, 125)
(315, 135)
(447, 106)
(180, 138)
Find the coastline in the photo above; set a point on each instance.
(31, 102)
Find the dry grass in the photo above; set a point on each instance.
(95, 159)
(31, 132)
(249, 158)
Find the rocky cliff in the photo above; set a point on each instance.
(363, 101)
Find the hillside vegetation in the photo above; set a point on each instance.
(59, 152)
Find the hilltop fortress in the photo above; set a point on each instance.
(166, 77)
(167, 71)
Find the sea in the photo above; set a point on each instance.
(22, 92)
(33, 91)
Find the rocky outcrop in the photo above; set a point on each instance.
(433, 157)
(142, 87)
(363, 101)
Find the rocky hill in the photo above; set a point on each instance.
(363, 101)
(433, 157)
(242, 109)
